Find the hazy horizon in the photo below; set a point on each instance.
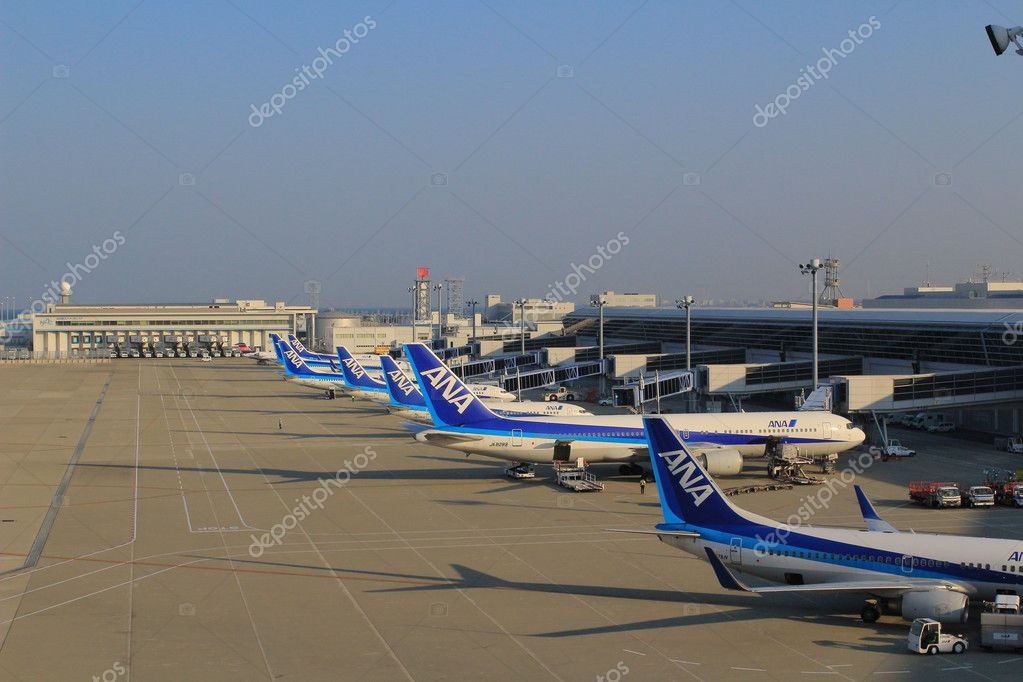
(507, 143)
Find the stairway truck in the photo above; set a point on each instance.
(936, 494)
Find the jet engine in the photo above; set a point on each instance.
(720, 461)
(941, 605)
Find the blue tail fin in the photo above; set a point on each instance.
(276, 341)
(293, 364)
(402, 388)
(688, 494)
(450, 401)
(355, 374)
(297, 345)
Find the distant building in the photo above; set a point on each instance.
(536, 310)
(1006, 295)
(72, 329)
(614, 300)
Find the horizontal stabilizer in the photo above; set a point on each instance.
(873, 520)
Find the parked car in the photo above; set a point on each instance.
(895, 448)
(941, 427)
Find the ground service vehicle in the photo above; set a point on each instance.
(979, 496)
(1013, 444)
(941, 427)
(561, 393)
(1008, 490)
(895, 448)
(1001, 625)
(925, 637)
(935, 494)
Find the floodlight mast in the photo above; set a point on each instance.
(1000, 38)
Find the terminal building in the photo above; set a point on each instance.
(970, 295)
(965, 363)
(69, 329)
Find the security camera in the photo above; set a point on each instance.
(1000, 38)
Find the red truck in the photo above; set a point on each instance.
(1008, 490)
(936, 494)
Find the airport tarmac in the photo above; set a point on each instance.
(421, 564)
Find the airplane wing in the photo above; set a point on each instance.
(643, 452)
(665, 533)
(443, 437)
(894, 585)
(874, 522)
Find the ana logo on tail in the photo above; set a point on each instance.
(447, 384)
(294, 357)
(696, 486)
(402, 382)
(354, 368)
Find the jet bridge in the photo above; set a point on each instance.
(653, 387)
(918, 392)
(498, 365)
(515, 379)
(775, 377)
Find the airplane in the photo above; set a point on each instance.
(919, 575)
(298, 372)
(465, 424)
(407, 400)
(359, 381)
(264, 357)
(369, 361)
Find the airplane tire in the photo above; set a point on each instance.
(870, 613)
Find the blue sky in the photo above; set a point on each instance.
(111, 113)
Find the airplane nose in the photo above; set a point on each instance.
(859, 436)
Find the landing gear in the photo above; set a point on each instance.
(331, 394)
(871, 611)
(631, 470)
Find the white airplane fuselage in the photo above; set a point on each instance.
(601, 438)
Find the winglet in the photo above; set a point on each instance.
(725, 576)
(870, 516)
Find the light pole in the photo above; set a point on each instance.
(521, 303)
(437, 288)
(600, 302)
(415, 303)
(811, 269)
(686, 302)
(473, 303)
